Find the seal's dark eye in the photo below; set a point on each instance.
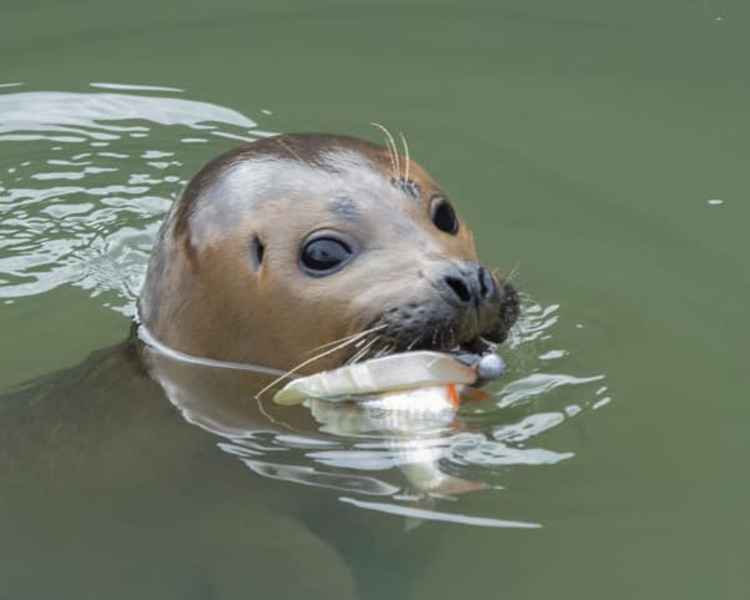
(444, 216)
(323, 256)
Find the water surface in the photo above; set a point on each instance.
(598, 149)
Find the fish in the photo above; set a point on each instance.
(446, 375)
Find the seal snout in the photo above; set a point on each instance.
(474, 299)
(460, 305)
(468, 284)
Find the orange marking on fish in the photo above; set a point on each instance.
(453, 395)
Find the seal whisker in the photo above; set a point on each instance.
(513, 272)
(363, 341)
(363, 352)
(406, 155)
(302, 365)
(384, 351)
(454, 340)
(392, 150)
(353, 337)
(355, 357)
(370, 353)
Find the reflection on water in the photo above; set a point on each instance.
(414, 458)
(431, 515)
(81, 205)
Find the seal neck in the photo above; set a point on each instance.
(150, 340)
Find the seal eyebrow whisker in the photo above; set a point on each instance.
(406, 155)
(392, 151)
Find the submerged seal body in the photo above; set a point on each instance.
(298, 244)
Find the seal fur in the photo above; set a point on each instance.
(225, 279)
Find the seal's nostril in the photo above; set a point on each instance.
(459, 288)
(486, 283)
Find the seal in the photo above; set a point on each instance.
(305, 243)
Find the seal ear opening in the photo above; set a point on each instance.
(257, 250)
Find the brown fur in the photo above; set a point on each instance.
(204, 296)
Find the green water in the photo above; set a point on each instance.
(599, 148)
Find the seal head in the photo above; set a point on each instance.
(288, 245)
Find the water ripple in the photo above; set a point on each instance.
(85, 179)
(414, 458)
(84, 185)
